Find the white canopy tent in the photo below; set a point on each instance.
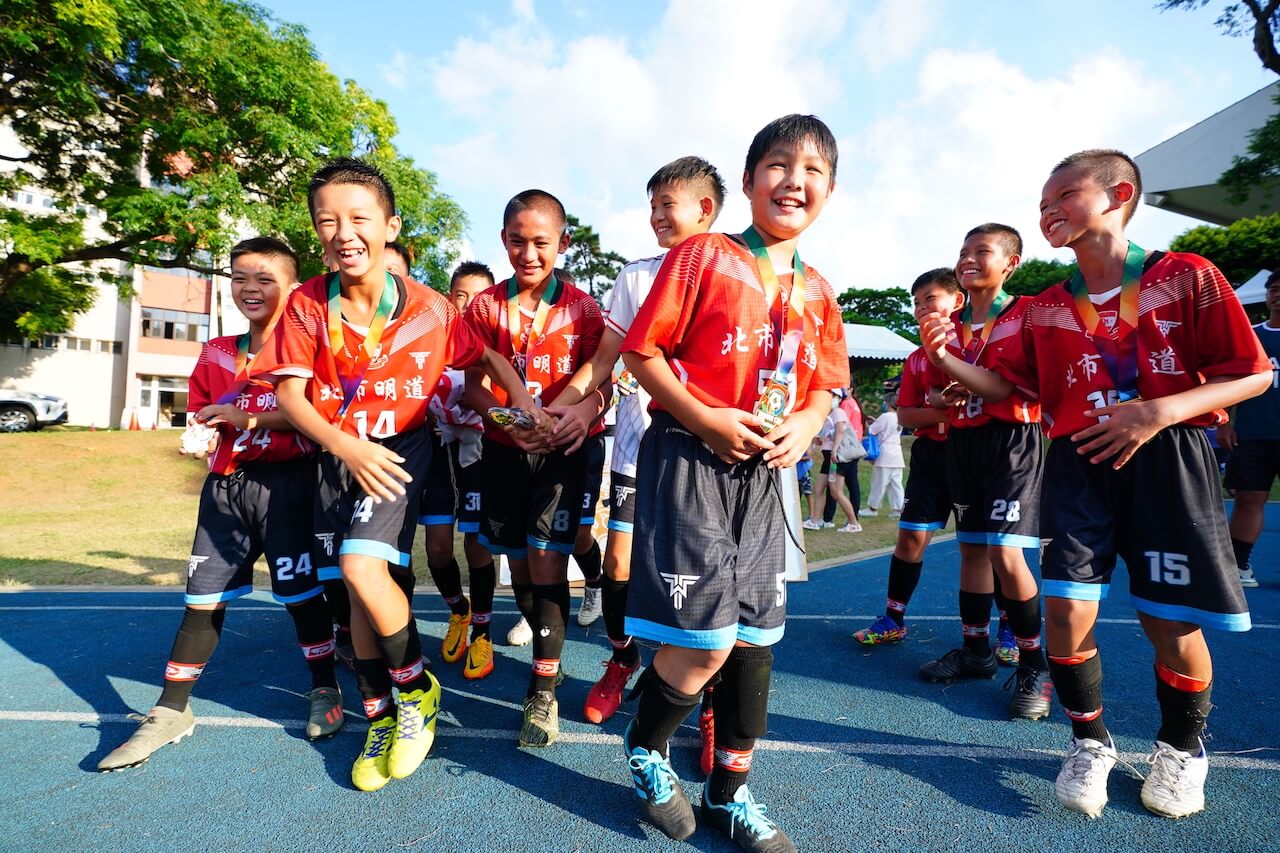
(1181, 174)
(876, 343)
(1254, 290)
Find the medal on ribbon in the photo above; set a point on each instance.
(1117, 348)
(1001, 302)
(779, 394)
(368, 347)
(522, 345)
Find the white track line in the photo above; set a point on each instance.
(843, 749)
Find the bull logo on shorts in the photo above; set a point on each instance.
(621, 493)
(326, 539)
(193, 564)
(678, 585)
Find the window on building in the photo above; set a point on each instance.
(49, 342)
(117, 347)
(84, 344)
(175, 325)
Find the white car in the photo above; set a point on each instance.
(23, 410)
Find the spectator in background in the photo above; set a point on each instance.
(886, 472)
(848, 471)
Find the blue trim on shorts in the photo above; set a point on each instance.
(547, 545)
(215, 597)
(1194, 615)
(969, 538)
(374, 548)
(587, 521)
(626, 527)
(760, 636)
(1075, 590)
(1013, 540)
(300, 597)
(329, 573)
(495, 548)
(468, 527)
(921, 525)
(433, 520)
(718, 638)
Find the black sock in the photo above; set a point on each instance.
(975, 619)
(192, 647)
(1002, 603)
(589, 562)
(613, 600)
(524, 599)
(374, 683)
(1242, 551)
(483, 580)
(551, 612)
(741, 702)
(448, 580)
(338, 599)
(405, 580)
(829, 509)
(315, 636)
(1024, 621)
(1079, 686)
(903, 578)
(402, 655)
(661, 711)
(1183, 710)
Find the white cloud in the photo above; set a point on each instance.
(523, 9)
(395, 73)
(893, 32)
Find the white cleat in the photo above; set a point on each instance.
(520, 634)
(1175, 785)
(1082, 781)
(590, 610)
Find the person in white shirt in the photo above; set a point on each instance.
(886, 473)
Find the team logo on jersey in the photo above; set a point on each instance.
(1109, 319)
(570, 340)
(621, 493)
(420, 359)
(1167, 326)
(678, 586)
(326, 539)
(496, 527)
(378, 361)
(194, 563)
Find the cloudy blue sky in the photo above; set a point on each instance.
(947, 113)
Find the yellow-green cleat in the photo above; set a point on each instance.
(369, 773)
(541, 726)
(455, 639)
(415, 728)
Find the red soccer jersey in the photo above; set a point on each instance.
(213, 376)
(423, 336)
(1018, 407)
(707, 315)
(1190, 328)
(913, 392)
(570, 337)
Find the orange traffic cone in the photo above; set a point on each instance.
(133, 420)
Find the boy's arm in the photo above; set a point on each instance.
(732, 434)
(375, 468)
(579, 404)
(1227, 432)
(230, 413)
(934, 331)
(479, 398)
(911, 417)
(1124, 427)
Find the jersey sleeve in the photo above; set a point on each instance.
(593, 325)
(199, 393)
(912, 390)
(666, 314)
(1017, 364)
(832, 370)
(1226, 344)
(480, 321)
(291, 349)
(465, 347)
(622, 304)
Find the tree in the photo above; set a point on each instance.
(890, 307)
(594, 269)
(1034, 276)
(1261, 20)
(1239, 250)
(160, 128)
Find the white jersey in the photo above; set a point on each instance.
(632, 417)
(454, 421)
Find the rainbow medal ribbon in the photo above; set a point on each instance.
(627, 383)
(1001, 302)
(779, 393)
(368, 348)
(241, 379)
(1119, 353)
(521, 345)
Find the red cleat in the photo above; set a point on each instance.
(606, 694)
(707, 728)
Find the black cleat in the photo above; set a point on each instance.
(658, 785)
(743, 822)
(959, 664)
(1032, 693)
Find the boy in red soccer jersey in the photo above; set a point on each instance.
(993, 469)
(733, 324)
(357, 358)
(1130, 358)
(256, 500)
(532, 501)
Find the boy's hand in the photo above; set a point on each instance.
(224, 413)
(934, 333)
(573, 423)
(955, 395)
(529, 439)
(1227, 437)
(375, 468)
(1121, 429)
(791, 438)
(732, 434)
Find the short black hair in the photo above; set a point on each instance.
(944, 277)
(1108, 167)
(1006, 235)
(1271, 279)
(348, 170)
(793, 131)
(692, 172)
(272, 247)
(535, 200)
(403, 251)
(467, 268)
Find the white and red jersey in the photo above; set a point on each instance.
(453, 420)
(1006, 334)
(913, 393)
(570, 337)
(631, 419)
(707, 316)
(1191, 328)
(422, 337)
(214, 375)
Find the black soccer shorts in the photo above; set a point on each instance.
(530, 500)
(993, 473)
(1253, 466)
(927, 502)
